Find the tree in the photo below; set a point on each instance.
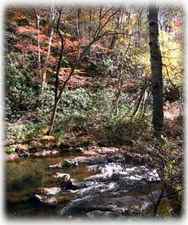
(37, 18)
(98, 34)
(78, 22)
(51, 34)
(156, 70)
(43, 67)
(115, 36)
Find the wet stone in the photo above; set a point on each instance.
(49, 191)
(117, 189)
(56, 166)
(45, 153)
(98, 213)
(65, 164)
(102, 186)
(50, 201)
(62, 176)
(70, 163)
(50, 196)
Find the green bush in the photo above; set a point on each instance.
(21, 132)
(81, 109)
(123, 130)
(72, 109)
(21, 93)
(100, 66)
(46, 101)
(10, 149)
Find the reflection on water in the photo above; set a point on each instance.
(27, 177)
(24, 177)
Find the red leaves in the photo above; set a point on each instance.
(38, 35)
(42, 37)
(75, 80)
(130, 86)
(99, 47)
(172, 110)
(84, 41)
(71, 46)
(15, 14)
(26, 48)
(26, 29)
(178, 22)
(173, 114)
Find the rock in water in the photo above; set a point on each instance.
(57, 165)
(67, 184)
(50, 201)
(63, 176)
(66, 164)
(48, 191)
(70, 163)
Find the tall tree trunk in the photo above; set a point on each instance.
(37, 18)
(115, 36)
(78, 22)
(156, 70)
(56, 85)
(90, 27)
(52, 19)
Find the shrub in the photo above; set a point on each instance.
(21, 93)
(121, 131)
(81, 109)
(10, 149)
(72, 110)
(46, 101)
(22, 132)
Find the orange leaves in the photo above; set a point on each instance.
(31, 30)
(15, 14)
(99, 47)
(71, 46)
(131, 86)
(64, 71)
(178, 22)
(76, 80)
(26, 29)
(42, 37)
(56, 43)
(172, 110)
(84, 41)
(26, 48)
(173, 114)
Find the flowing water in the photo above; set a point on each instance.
(101, 188)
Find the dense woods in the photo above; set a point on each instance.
(94, 111)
